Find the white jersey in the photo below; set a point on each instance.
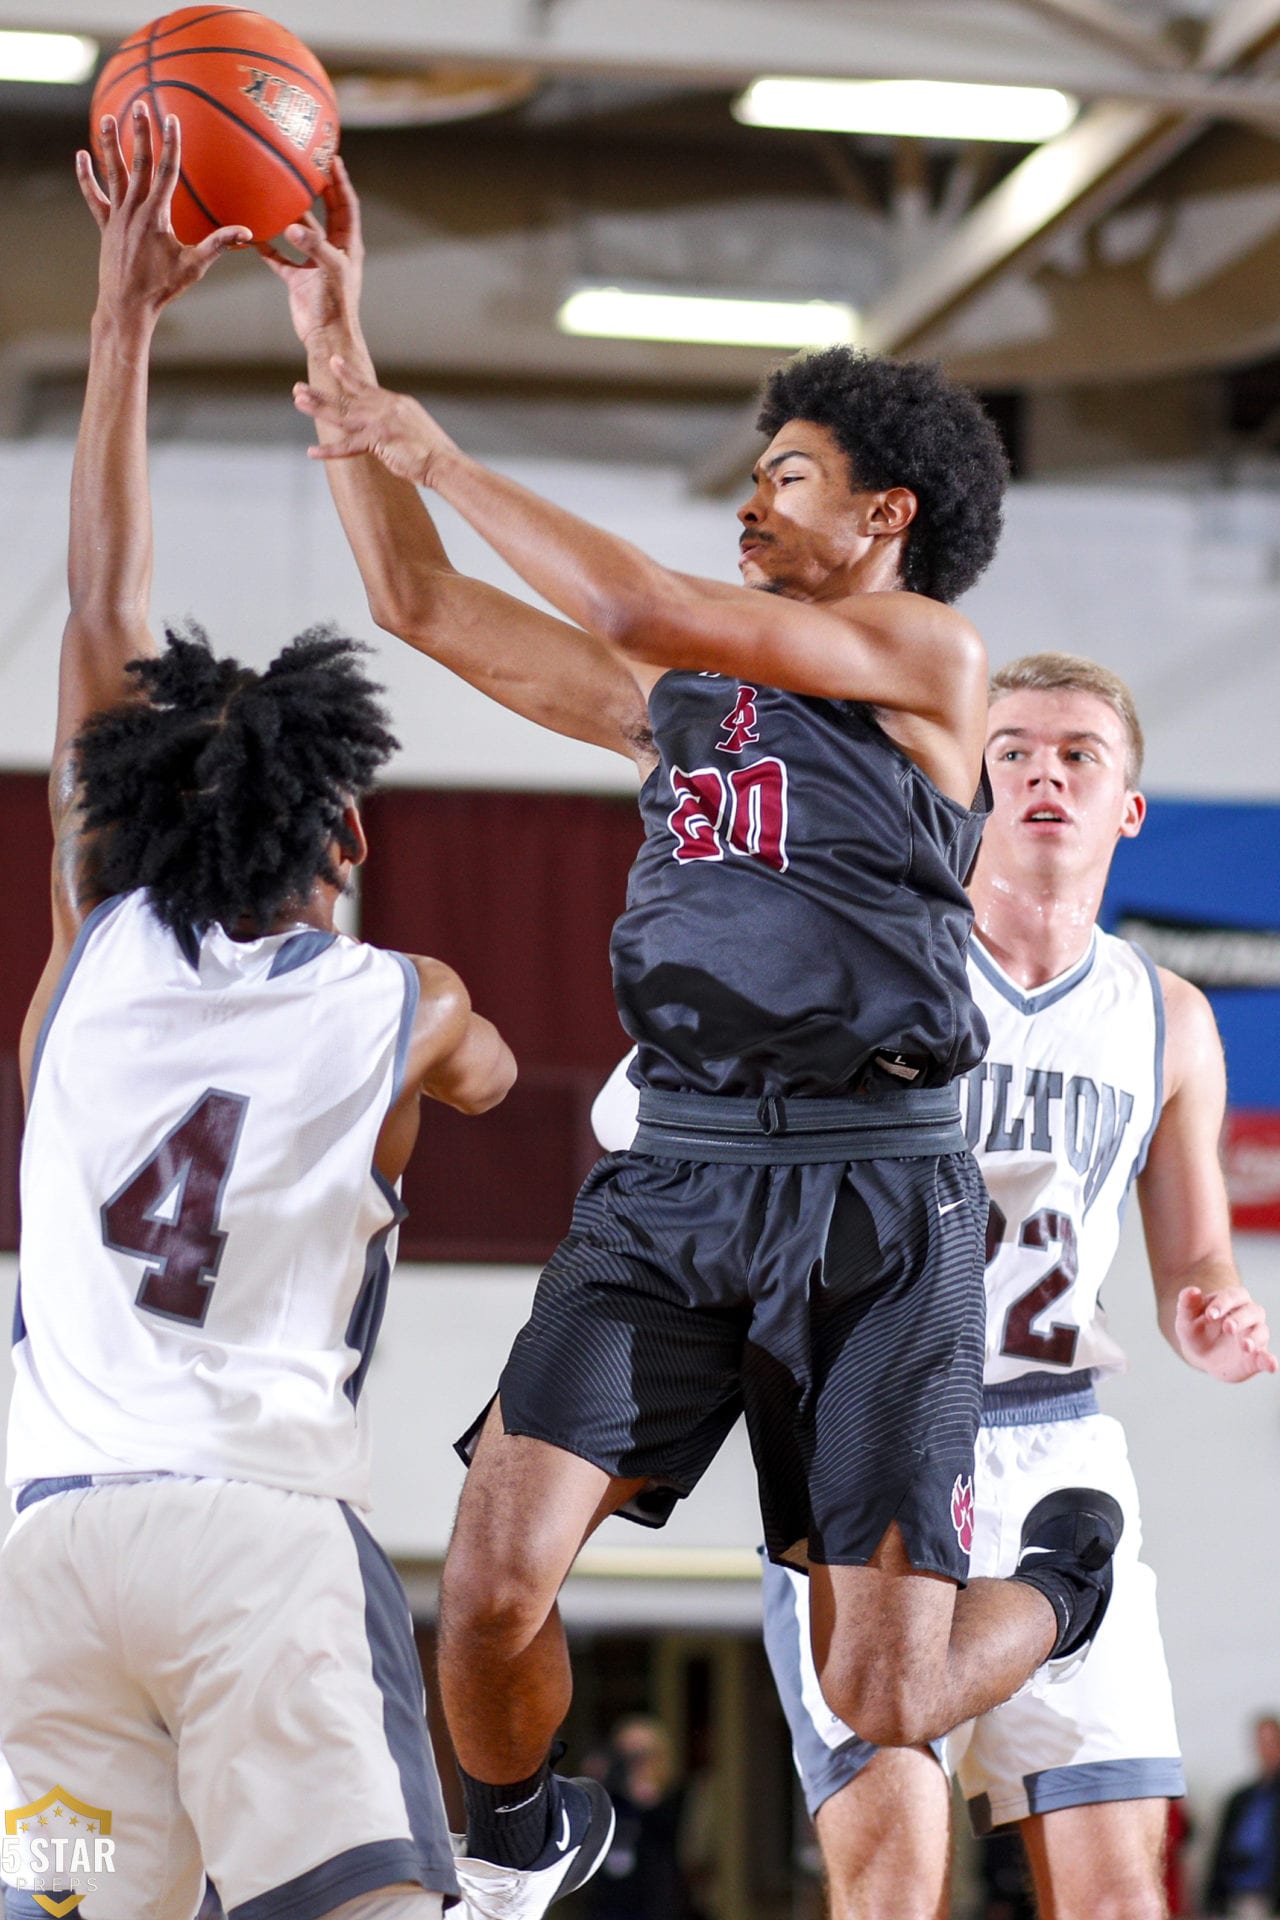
(1060, 1114)
(205, 1242)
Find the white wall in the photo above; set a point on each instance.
(1178, 589)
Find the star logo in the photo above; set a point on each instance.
(45, 1845)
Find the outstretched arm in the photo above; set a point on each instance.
(1205, 1312)
(456, 1056)
(543, 668)
(141, 268)
(896, 650)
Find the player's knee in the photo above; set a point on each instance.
(863, 1896)
(493, 1596)
(1124, 1897)
(881, 1705)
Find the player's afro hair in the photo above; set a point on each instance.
(903, 424)
(222, 789)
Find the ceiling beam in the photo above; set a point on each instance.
(713, 43)
(1102, 24)
(994, 41)
(1070, 181)
(1085, 171)
(1240, 30)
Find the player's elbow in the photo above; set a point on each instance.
(483, 1071)
(409, 602)
(491, 1087)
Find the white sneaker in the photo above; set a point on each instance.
(580, 1838)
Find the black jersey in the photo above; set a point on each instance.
(797, 907)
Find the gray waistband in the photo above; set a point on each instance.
(895, 1124)
(1034, 1399)
(32, 1490)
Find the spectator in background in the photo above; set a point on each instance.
(641, 1877)
(1244, 1880)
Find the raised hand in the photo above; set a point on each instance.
(1224, 1333)
(143, 265)
(361, 417)
(324, 291)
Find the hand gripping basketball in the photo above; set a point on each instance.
(142, 260)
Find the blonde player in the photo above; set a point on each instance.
(198, 1635)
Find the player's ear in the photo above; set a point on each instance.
(1135, 812)
(354, 834)
(893, 510)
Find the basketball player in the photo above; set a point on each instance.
(800, 1231)
(197, 1633)
(1103, 1072)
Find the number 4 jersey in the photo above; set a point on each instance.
(1060, 1114)
(205, 1242)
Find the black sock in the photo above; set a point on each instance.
(1074, 1600)
(508, 1824)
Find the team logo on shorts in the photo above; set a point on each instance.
(57, 1850)
(962, 1512)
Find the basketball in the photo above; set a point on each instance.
(258, 115)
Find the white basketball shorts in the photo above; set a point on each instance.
(1096, 1728)
(227, 1672)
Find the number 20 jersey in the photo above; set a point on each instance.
(205, 1243)
(798, 904)
(1060, 1114)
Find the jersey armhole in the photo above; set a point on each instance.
(1157, 1104)
(102, 912)
(408, 1014)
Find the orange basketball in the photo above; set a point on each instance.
(259, 120)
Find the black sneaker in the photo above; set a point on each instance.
(581, 1831)
(1068, 1539)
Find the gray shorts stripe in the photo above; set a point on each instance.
(1089, 1785)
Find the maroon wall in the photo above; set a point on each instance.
(517, 891)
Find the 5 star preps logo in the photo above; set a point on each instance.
(962, 1511)
(57, 1849)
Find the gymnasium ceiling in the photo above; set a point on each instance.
(1143, 242)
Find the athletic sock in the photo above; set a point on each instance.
(509, 1824)
(1074, 1602)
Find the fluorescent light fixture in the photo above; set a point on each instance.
(725, 320)
(926, 109)
(57, 59)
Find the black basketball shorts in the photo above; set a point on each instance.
(838, 1303)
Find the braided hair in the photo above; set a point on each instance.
(222, 790)
(902, 423)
